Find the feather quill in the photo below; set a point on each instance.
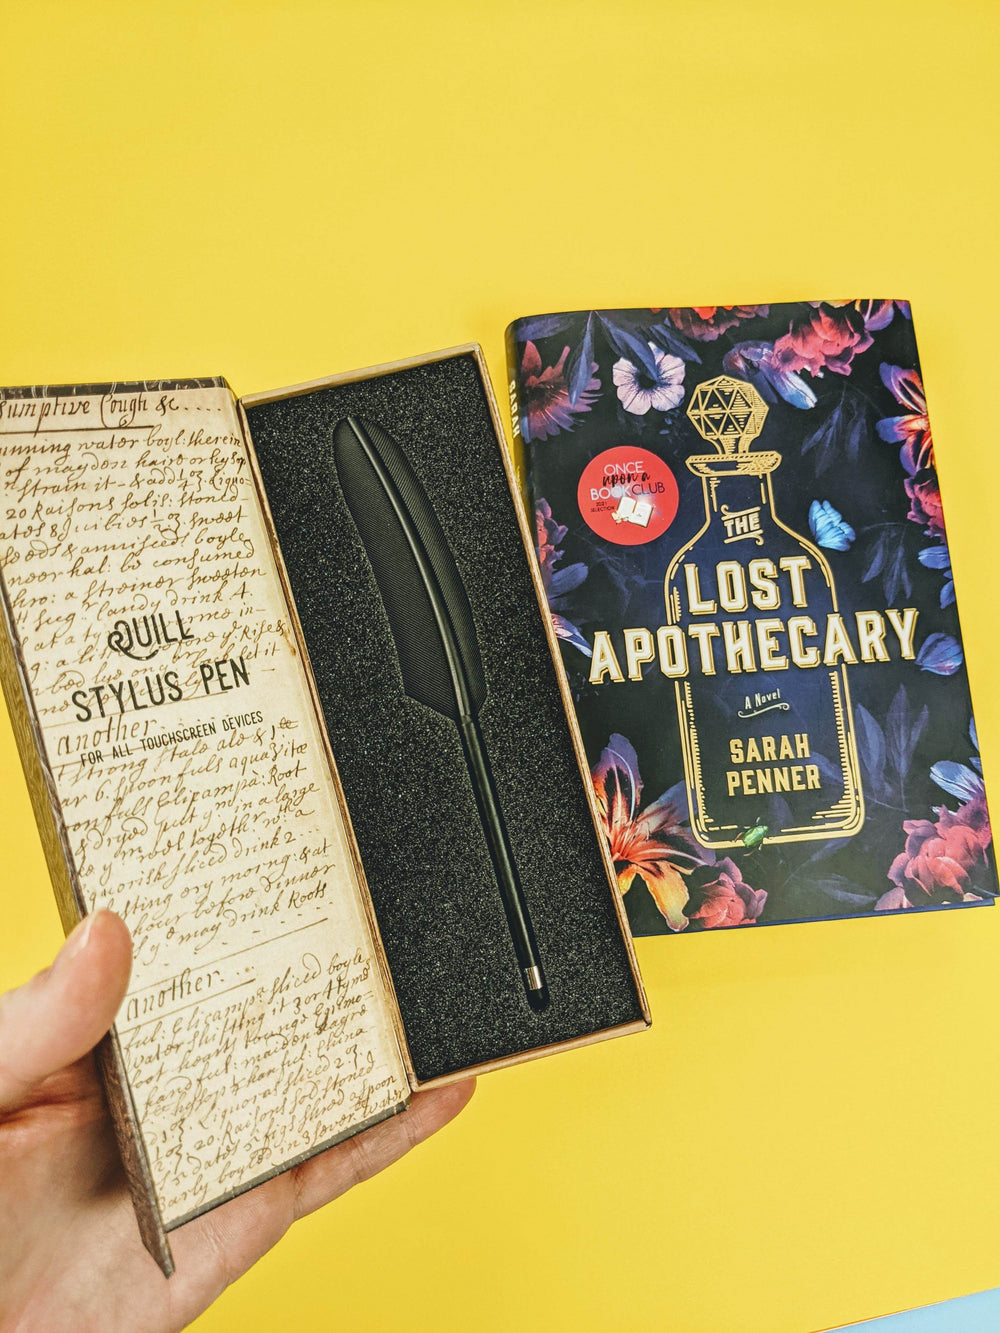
(434, 634)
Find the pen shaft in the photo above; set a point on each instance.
(505, 867)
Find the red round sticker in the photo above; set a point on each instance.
(627, 495)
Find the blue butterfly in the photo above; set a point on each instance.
(828, 527)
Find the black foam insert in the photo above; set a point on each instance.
(406, 782)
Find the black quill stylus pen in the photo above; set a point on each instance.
(434, 633)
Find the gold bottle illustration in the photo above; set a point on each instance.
(766, 727)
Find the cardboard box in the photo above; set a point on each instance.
(193, 634)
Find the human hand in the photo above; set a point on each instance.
(70, 1256)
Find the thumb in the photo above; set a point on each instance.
(63, 1012)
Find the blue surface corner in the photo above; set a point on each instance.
(970, 1314)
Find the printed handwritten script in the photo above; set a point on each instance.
(190, 770)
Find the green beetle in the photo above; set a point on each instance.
(754, 837)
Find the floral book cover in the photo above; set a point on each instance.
(742, 538)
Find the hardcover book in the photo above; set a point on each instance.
(308, 946)
(741, 535)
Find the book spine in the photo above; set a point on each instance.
(37, 771)
(520, 452)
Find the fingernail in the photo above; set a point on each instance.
(76, 942)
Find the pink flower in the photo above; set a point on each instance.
(725, 900)
(706, 322)
(939, 861)
(827, 338)
(925, 501)
(546, 409)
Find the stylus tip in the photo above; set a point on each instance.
(534, 984)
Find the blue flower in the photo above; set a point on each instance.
(558, 583)
(939, 557)
(958, 779)
(754, 361)
(941, 654)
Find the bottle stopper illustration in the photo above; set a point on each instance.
(729, 414)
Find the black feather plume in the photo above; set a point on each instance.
(433, 630)
(422, 590)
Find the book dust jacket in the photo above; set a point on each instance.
(741, 534)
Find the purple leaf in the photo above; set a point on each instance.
(828, 769)
(876, 558)
(665, 337)
(896, 575)
(902, 732)
(580, 368)
(539, 326)
(871, 746)
(831, 846)
(843, 890)
(633, 349)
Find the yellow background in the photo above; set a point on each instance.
(276, 191)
